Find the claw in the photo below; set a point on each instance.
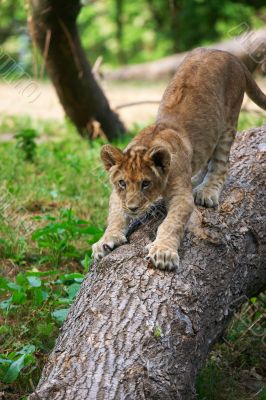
(163, 257)
(106, 244)
(107, 247)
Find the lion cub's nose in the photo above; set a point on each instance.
(133, 209)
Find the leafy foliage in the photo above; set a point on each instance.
(12, 364)
(26, 142)
(57, 236)
(45, 242)
(46, 295)
(236, 369)
(123, 31)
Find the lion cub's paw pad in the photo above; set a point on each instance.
(106, 244)
(205, 197)
(163, 257)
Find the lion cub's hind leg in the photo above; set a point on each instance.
(208, 192)
(198, 178)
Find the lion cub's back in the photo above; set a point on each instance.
(205, 80)
(204, 99)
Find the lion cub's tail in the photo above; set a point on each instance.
(253, 91)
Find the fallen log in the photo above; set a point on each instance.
(139, 333)
(250, 47)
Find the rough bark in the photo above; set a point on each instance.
(250, 47)
(53, 28)
(139, 333)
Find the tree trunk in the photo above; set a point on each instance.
(53, 28)
(139, 333)
(249, 47)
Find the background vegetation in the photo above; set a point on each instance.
(124, 31)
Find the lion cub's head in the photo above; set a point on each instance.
(139, 175)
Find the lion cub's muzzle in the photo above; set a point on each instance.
(134, 211)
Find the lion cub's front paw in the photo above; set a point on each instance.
(163, 257)
(205, 196)
(106, 244)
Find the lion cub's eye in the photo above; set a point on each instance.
(122, 184)
(145, 184)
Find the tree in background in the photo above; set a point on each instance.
(121, 31)
(53, 28)
(128, 32)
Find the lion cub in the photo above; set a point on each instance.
(188, 146)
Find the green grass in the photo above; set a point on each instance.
(236, 369)
(53, 206)
(250, 119)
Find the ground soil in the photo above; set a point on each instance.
(47, 106)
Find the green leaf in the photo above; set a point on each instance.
(19, 297)
(5, 304)
(60, 315)
(64, 300)
(14, 369)
(40, 296)
(3, 283)
(36, 218)
(68, 278)
(27, 349)
(86, 262)
(34, 281)
(14, 286)
(21, 279)
(4, 329)
(26, 133)
(5, 361)
(72, 290)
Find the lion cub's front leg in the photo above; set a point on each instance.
(114, 235)
(163, 252)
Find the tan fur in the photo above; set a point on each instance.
(188, 146)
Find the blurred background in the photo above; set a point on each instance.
(120, 32)
(126, 32)
(53, 191)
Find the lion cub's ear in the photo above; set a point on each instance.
(110, 156)
(161, 158)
